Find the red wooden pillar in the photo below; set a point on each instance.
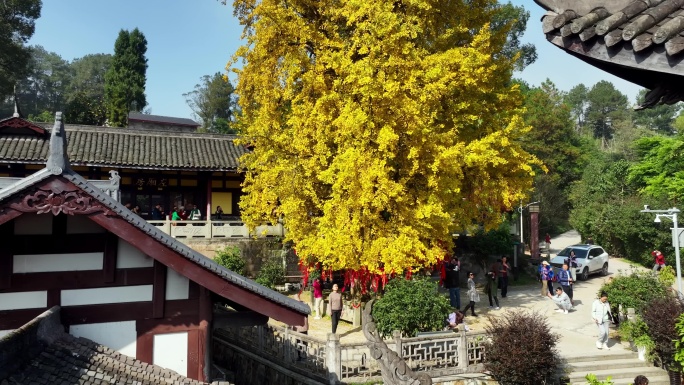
(534, 230)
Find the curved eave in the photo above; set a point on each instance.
(648, 68)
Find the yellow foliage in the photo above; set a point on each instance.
(379, 127)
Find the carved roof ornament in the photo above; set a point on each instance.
(58, 159)
(637, 40)
(394, 369)
(58, 202)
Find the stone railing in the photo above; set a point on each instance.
(216, 229)
(444, 355)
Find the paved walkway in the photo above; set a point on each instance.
(577, 330)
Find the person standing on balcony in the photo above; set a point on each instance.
(318, 295)
(335, 299)
(195, 213)
(453, 283)
(158, 213)
(219, 213)
(175, 216)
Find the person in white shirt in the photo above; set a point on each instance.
(562, 300)
(600, 313)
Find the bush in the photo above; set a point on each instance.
(272, 273)
(661, 317)
(634, 290)
(522, 349)
(230, 258)
(410, 306)
(667, 275)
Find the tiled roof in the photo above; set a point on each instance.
(58, 164)
(641, 41)
(162, 119)
(62, 359)
(119, 147)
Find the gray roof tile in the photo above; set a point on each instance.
(120, 147)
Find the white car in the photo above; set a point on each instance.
(590, 259)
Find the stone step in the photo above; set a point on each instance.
(591, 366)
(600, 355)
(652, 380)
(623, 373)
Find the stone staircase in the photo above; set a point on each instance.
(621, 365)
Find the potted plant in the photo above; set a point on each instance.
(645, 347)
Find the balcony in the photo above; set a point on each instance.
(217, 229)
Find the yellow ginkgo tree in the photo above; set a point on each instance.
(377, 127)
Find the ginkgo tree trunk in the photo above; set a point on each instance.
(378, 127)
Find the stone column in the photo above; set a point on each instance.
(333, 359)
(534, 230)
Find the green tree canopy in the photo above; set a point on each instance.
(17, 24)
(126, 77)
(660, 170)
(45, 87)
(577, 100)
(658, 118)
(213, 103)
(606, 109)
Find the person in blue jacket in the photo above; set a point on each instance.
(565, 280)
(546, 275)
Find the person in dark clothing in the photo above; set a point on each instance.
(452, 282)
(492, 289)
(503, 276)
(158, 213)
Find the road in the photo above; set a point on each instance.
(577, 329)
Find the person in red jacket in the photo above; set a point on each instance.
(659, 260)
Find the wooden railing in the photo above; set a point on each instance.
(216, 229)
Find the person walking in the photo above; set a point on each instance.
(562, 301)
(318, 296)
(546, 275)
(335, 299)
(473, 296)
(453, 283)
(492, 289)
(503, 276)
(659, 260)
(600, 313)
(565, 280)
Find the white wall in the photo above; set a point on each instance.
(130, 257)
(80, 224)
(32, 224)
(102, 295)
(171, 351)
(119, 336)
(177, 286)
(23, 300)
(34, 263)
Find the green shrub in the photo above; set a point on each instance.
(634, 290)
(592, 380)
(667, 275)
(410, 306)
(272, 273)
(230, 258)
(521, 349)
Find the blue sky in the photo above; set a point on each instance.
(187, 39)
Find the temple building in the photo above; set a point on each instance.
(104, 273)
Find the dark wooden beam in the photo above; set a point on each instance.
(6, 256)
(59, 244)
(109, 257)
(59, 225)
(195, 272)
(54, 298)
(158, 290)
(14, 319)
(86, 279)
(224, 319)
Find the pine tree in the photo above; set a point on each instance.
(125, 79)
